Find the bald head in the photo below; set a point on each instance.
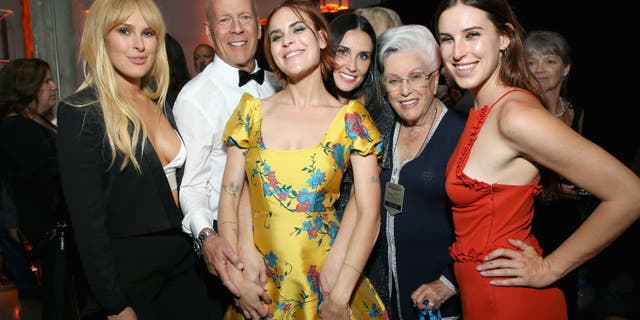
(202, 55)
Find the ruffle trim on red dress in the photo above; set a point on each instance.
(460, 255)
(537, 189)
(464, 156)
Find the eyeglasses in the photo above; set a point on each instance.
(415, 80)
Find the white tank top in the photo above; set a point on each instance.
(177, 162)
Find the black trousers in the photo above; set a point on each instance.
(58, 294)
(56, 256)
(161, 277)
(220, 298)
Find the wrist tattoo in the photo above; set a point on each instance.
(232, 189)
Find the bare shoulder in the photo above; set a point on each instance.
(521, 112)
(529, 128)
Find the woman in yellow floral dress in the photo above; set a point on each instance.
(293, 148)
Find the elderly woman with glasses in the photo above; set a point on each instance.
(416, 218)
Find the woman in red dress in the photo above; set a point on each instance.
(492, 175)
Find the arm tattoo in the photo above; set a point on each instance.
(375, 179)
(233, 189)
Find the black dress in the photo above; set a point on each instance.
(28, 164)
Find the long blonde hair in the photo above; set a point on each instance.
(118, 114)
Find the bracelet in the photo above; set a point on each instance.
(352, 267)
(197, 243)
(232, 222)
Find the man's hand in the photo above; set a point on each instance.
(217, 254)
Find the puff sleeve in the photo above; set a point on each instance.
(243, 124)
(361, 130)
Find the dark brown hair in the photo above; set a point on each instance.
(514, 70)
(20, 83)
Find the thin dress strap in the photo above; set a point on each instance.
(507, 92)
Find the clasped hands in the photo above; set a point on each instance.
(244, 275)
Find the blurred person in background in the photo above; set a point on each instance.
(29, 169)
(561, 207)
(381, 18)
(203, 54)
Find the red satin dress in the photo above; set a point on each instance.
(485, 216)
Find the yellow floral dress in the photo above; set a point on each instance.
(292, 196)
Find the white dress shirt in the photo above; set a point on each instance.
(201, 111)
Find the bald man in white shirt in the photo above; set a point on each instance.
(201, 111)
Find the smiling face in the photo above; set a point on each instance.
(234, 32)
(294, 46)
(410, 101)
(131, 47)
(353, 59)
(470, 45)
(548, 69)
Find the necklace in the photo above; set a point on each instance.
(422, 129)
(563, 108)
(400, 157)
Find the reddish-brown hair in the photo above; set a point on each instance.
(308, 13)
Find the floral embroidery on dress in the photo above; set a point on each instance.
(313, 277)
(355, 129)
(337, 152)
(271, 264)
